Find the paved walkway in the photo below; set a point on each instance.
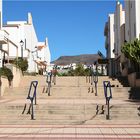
(58, 132)
(70, 132)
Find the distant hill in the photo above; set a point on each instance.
(84, 59)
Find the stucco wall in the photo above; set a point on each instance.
(111, 35)
(132, 18)
(4, 84)
(137, 18)
(31, 42)
(17, 75)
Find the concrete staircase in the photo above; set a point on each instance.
(70, 103)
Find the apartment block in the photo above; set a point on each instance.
(109, 44)
(132, 27)
(21, 31)
(119, 36)
(19, 39)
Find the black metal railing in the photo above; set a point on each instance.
(32, 97)
(108, 96)
(48, 81)
(95, 80)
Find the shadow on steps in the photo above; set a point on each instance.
(134, 93)
(123, 80)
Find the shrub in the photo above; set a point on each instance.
(7, 72)
(131, 51)
(21, 63)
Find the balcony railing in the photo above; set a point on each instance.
(3, 37)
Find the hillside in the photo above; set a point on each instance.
(84, 59)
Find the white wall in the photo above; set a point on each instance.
(47, 52)
(44, 54)
(26, 33)
(137, 18)
(15, 37)
(31, 43)
(119, 20)
(132, 29)
(111, 35)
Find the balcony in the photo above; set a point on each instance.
(3, 37)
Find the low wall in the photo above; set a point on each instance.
(124, 72)
(4, 83)
(137, 82)
(16, 79)
(17, 75)
(132, 79)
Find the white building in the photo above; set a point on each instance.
(109, 44)
(132, 28)
(0, 14)
(119, 37)
(42, 56)
(22, 31)
(19, 39)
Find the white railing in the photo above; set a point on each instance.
(3, 37)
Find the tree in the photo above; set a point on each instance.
(79, 71)
(132, 51)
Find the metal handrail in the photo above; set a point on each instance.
(32, 99)
(48, 81)
(95, 80)
(108, 96)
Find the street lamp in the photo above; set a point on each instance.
(21, 44)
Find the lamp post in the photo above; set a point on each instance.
(21, 44)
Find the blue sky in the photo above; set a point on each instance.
(72, 27)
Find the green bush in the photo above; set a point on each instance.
(30, 73)
(6, 72)
(21, 63)
(80, 71)
(131, 51)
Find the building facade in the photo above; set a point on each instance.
(42, 56)
(19, 39)
(109, 44)
(119, 36)
(132, 26)
(21, 31)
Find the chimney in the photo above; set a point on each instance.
(30, 20)
(46, 42)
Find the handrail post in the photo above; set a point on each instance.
(35, 99)
(108, 109)
(95, 79)
(108, 96)
(32, 106)
(49, 79)
(33, 84)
